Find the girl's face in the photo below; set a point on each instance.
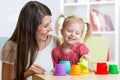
(72, 33)
(44, 28)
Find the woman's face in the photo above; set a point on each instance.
(44, 28)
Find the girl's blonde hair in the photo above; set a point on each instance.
(74, 19)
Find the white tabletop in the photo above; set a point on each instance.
(90, 76)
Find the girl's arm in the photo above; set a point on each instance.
(87, 57)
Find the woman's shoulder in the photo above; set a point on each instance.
(9, 44)
(9, 52)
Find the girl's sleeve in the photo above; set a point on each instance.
(8, 53)
(83, 49)
(55, 56)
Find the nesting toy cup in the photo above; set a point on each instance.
(113, 69)
(85, 71)
(83, 62)
(60, 70)
(67, 65)
(102, 68)
(75, 70)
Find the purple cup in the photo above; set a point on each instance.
(67, 65)
(60, 70)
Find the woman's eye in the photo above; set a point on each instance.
(45, 26)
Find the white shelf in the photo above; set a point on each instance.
(75, 4)
(103, 32)
(110, 8)
(102, 2)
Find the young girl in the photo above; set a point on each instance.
(71, 49)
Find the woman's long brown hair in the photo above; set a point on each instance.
(24, 35)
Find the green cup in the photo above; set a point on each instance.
(83, 63)
(113, 69)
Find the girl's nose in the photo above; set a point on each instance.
(73, 34)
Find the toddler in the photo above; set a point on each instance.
(71, 49)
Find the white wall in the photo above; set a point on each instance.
(9, 11)
(119, 32)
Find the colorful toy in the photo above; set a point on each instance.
(67, 65)
(113, 69)
(84, 66)
(75, 70)
(83, 63)
(60, 70)
(101, 68)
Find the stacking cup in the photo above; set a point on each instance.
(75, 70)
(102, 68)
(60, 70)
(113, 69)
(83, 63)
(67, 65)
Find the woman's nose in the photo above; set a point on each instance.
(50, 28)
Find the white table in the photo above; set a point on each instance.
(90, 76)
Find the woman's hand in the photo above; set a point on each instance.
(34, 69)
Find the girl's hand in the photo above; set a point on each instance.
(34, 69)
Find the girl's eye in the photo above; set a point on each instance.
(77, 33)
(69, 30)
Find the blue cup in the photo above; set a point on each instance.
(67, 65)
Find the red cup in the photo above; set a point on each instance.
(102, 68)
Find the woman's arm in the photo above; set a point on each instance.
(8, 71)
(34, 69)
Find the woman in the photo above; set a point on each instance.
(24, 52)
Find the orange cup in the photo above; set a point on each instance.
(75, 70)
